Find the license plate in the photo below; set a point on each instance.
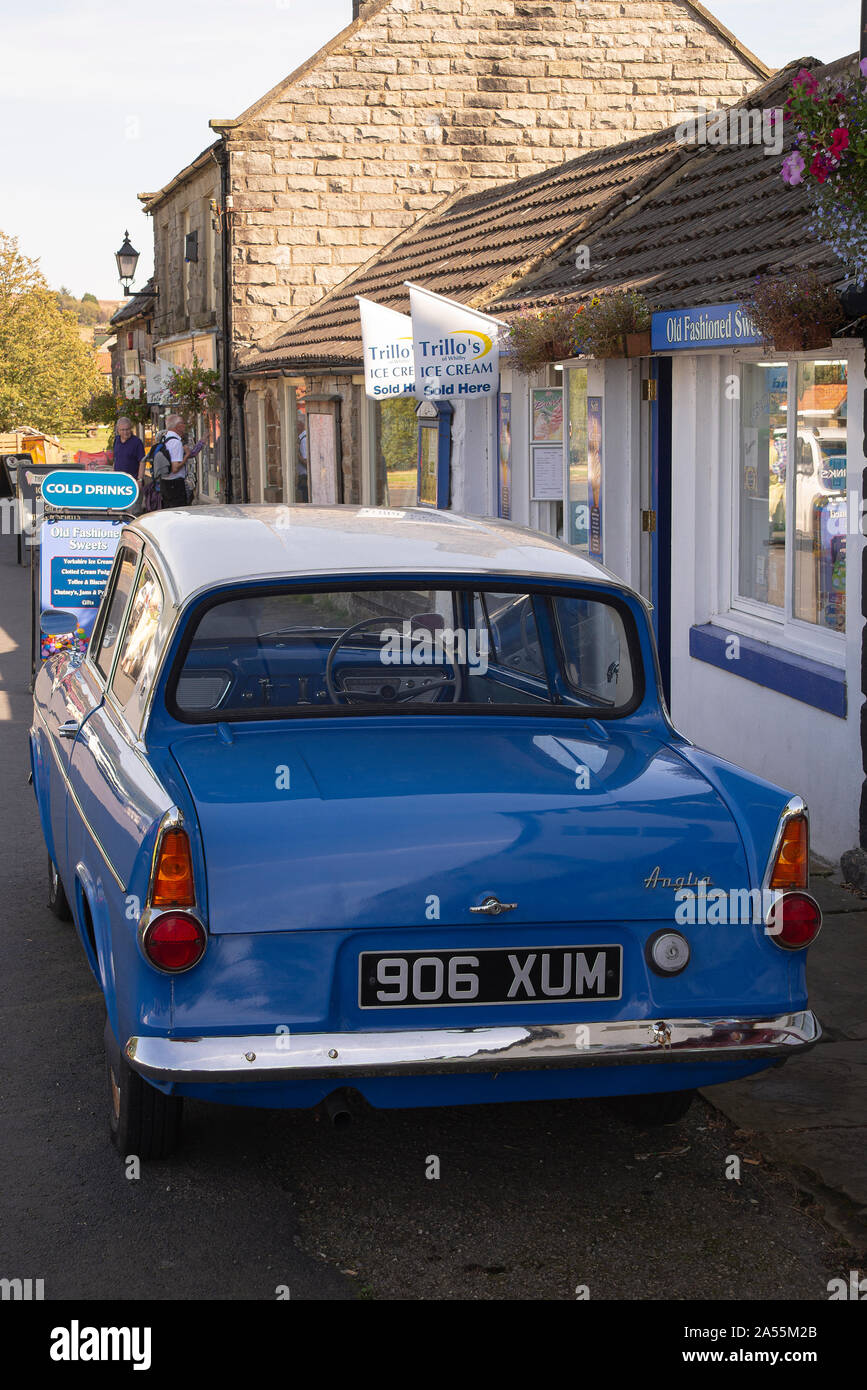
(511, 975)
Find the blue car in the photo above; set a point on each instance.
(346, 801)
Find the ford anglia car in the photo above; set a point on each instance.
(345, 801)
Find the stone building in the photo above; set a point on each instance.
(413, 102)
(189, 302)
(132, 347)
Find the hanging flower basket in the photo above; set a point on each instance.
(638, 344)
(616, 324)
(538, 338)
(805, 341)
(830, 159)
(194, 390)
(795, 313)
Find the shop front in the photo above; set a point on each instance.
(765, 552)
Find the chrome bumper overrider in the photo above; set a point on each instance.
(295, 1056)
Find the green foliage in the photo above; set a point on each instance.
(47, 373)
(795, 311)
(399, 433)
(86, 310)
(106, 407)
(539, 337)
(606, 320)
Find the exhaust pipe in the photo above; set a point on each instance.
(337, 1109)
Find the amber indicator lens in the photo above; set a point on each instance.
(791, 866)
(173, 872)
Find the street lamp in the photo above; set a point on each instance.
(127, 260)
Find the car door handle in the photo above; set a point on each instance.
(69, 729)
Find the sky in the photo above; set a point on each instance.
(100, 101)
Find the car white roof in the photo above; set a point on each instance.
(201, 547)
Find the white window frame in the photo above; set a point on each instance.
(749, 617)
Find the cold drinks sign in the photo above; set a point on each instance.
(716, 326)
(76, 554)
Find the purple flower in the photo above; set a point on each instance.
(863, 67)
(793, 168)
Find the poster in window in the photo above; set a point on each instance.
(504, 456)
(546, 415)
(547, 473)
(429, 443)
(322, 446)
(594, 473)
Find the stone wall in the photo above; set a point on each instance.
(422, 97)
(189, 294)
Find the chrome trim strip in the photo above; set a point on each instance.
(795, 806)
(296, 1056)
(90, 830)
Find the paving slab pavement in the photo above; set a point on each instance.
(811, 1114)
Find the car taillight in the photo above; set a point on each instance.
(791, 864)
(175, 941)
(173, 884)
(793, 921)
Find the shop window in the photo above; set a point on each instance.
(819, 581)
(395, 452)
(302, 479)
(272, 453)
(791, 493)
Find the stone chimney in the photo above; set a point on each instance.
(358, 8)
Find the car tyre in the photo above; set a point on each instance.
(57, 899)
(143, 1121)
(657, 1108)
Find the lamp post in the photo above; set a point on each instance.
(127, 260)
(863, 49)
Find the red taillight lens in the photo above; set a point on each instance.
(174, 941)
(173, 872)
(792, 863)
(794, 921)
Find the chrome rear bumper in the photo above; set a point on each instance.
(297, 1056)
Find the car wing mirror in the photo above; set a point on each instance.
(57, 622)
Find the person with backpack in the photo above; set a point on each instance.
(173, 481)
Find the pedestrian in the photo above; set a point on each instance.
(173, 485)
(128, 450)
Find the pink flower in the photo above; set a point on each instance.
(806, 80)
(793, 168)
(863, 67)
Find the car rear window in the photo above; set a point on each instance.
(360, 649)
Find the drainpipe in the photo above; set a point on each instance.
(228, 486)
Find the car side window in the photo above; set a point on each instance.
(137, 653)
(513, 636)
(109, 628)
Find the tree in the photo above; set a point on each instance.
(399, 437)
(46, 372)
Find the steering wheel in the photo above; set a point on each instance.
(387, 695)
